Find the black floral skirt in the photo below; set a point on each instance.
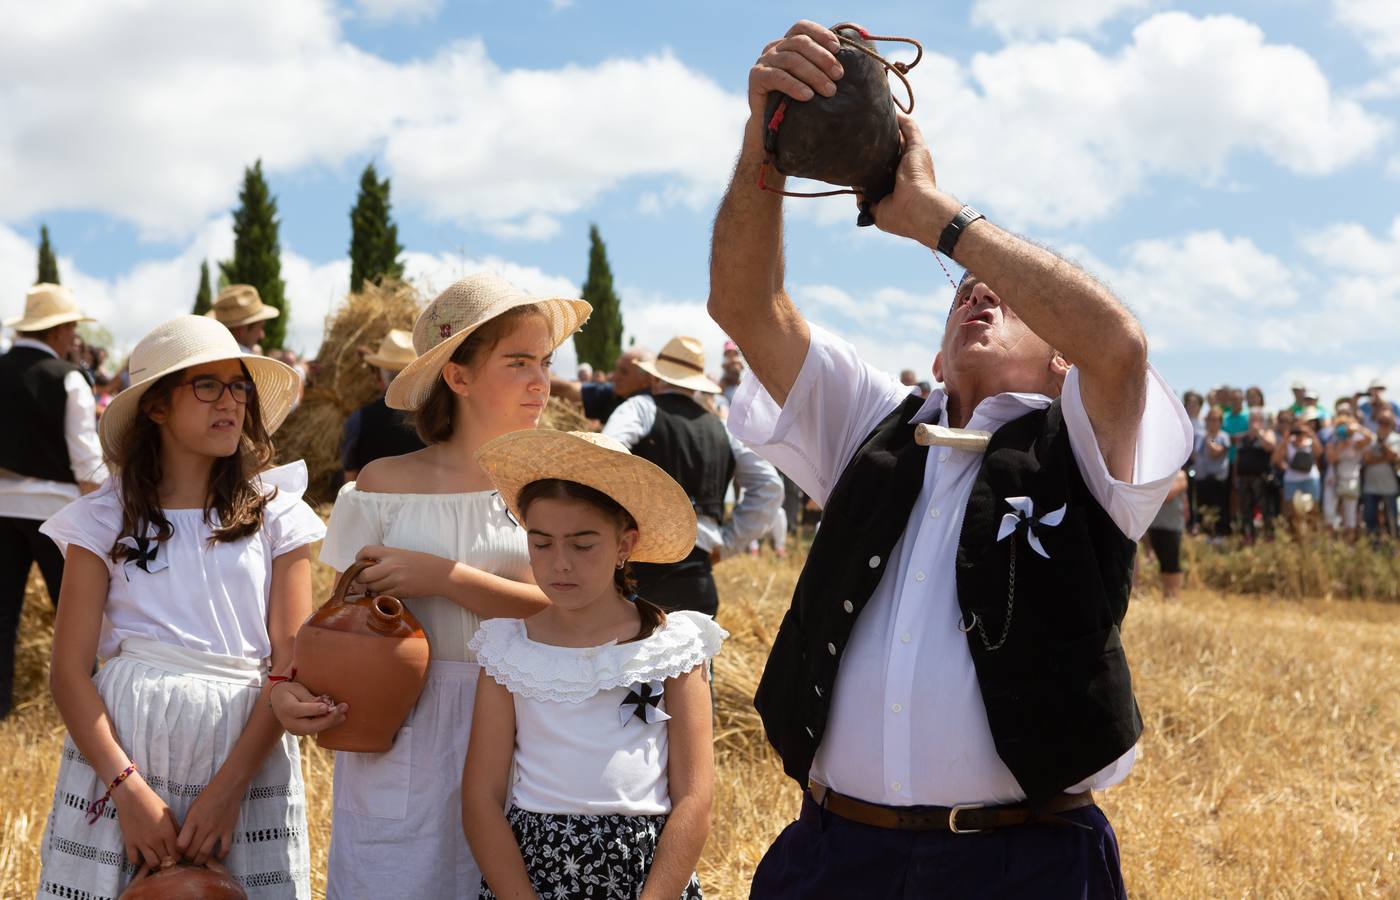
(604, 857)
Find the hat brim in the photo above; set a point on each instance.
(380, 362)
(664, 515)
(45, 322)
(276, 391)
(415, 381)
(262, 315)
(676, 377)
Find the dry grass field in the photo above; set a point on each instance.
(1270, 766)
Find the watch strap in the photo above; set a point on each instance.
(954, 229)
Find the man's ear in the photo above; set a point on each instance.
(456, 376)
(938, 368)
(1059, 366)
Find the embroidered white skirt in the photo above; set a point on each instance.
(178, 714)
(397, 826)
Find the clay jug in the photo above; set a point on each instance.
(850, 138)
(185, 881)
(369, 652)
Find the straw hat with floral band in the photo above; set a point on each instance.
(179, 344)
(456, 313)
(239, 304)
(395, 351)
(682, 363)
(47, 306)
(664, 515)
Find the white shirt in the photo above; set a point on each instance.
(193, 594)
(757, 483)
(580, 747)
(23, 497)
(907, 724)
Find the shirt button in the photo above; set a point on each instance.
(831, 648)
(848, 606)
(943, 457)
(896, 787)
(934, 513)
(918, 576)
(905, 638)
(896, 708)
(874, 562)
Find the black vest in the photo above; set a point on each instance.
(383, 432)
(31, 381)
(691, 445)
(1058, 694)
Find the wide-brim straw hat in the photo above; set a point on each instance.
(240, 304)
(45, 306)
(192, 341)
(682, 363)
(395, 351)
(456, 313)
(664, 514)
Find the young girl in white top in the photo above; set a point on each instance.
(189, 572)
(447, 548)
(593, 730)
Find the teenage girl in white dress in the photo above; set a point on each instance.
(188, 572)
(446, 546)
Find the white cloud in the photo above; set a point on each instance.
(1058, 133)
(204, 89)
(1375, 22)
(398, 10)
(1025, 18)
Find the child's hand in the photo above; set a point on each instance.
(148, 828)
(404, 573)
(300, 712)
(209, 825)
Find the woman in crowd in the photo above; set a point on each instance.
(1213, 476)
(1345, 452)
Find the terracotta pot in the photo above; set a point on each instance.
(368, 652)
(185, 881)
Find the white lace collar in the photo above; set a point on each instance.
(573, 674)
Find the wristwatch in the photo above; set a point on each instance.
(949, 238)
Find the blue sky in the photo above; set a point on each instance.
(1231, 169)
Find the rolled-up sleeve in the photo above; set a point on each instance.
(80, 430)
(1164, 441)
(835, 402)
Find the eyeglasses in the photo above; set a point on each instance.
(210, 389)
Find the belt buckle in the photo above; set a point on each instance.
(953, 818)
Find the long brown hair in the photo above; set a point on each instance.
(231, 493)
(434, 420)
(651, 615)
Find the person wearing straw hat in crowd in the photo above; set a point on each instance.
(187, 571)
(240, 308)
(50, 402)
(374, 430)
(691, 444)
(444, 543)
(951, 662)
(591, 766)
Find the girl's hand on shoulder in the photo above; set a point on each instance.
(148, 827)
(300, 712)
(208, 828)
(403, 573)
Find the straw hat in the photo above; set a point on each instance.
(191, 341)
(665, 517)
(47, 305)
(681, 363)
(456, 313)
(395, 351)
(239, 304)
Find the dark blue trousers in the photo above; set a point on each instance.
(823, 855)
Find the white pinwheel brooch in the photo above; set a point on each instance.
(143, 553)
(1023, 514)
(643, 701)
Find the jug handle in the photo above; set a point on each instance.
(342, 586)
(900, 69)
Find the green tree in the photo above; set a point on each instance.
(374, 238)
(204, 297)
(48, 263)
(257, 252)
(600, 342)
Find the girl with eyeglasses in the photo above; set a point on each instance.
(188, 574)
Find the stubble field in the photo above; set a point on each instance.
(1270, 766)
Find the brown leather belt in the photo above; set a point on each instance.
(967, 818)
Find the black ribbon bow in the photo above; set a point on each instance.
(644, 702)
(143, 552)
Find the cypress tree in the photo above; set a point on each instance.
(204, 297)
(374, 238)
(600, 342)
(257, 252)
(48, 263)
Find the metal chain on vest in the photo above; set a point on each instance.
(1010, 607)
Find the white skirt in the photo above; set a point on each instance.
(178, 713)
(397, 826)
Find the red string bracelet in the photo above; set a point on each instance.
(290, 676)
(96, 807)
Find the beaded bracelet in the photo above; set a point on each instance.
(97, 806)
